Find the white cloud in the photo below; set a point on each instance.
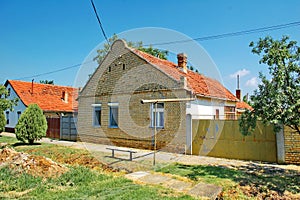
(241, 72)
(253, 82)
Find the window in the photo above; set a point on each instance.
(96, 115)
(19, 114)
(124, 67)
(113, 115)
(7, 117)
(217, 116)
(229, 112)
(159, 117)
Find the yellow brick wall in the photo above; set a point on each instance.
(127, 85)
(292, 146)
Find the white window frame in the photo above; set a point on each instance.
(160, 113)
(96, 107)
(113, 106)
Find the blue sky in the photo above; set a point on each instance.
(42, 36)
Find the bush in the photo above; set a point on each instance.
(2, 121)
(32, 124)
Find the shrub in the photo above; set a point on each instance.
(32, 124)
(2, 121)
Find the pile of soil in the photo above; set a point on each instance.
(31, 164)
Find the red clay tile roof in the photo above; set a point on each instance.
(243, 105)
(199, 83)
(48, 97)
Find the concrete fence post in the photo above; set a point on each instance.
(280, 146)
(189, 135)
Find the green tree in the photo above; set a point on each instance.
(246, 99)
(137, 45)
(4, 102)
(50, 82)
(32, 124)
(2, 121)
(4, 105)
(277, 100)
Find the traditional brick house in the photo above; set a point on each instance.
(54, 100)
(110, 109)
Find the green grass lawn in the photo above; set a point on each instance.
(237, 182)
(78, 183)
(85, 179)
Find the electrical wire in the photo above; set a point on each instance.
(213, 37)
(225, 35)
(102, 29)
(55, 71)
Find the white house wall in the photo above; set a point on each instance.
(205, 109)
(13, 115)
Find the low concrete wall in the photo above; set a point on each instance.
(219, 138)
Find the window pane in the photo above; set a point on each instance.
(97, 116)
(7, 117)
(159, 115)
(113, 116)
(19, 114)
(160, 119)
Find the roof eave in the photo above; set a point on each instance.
(214, 97)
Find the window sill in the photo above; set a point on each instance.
(158, 127)
(113, 127)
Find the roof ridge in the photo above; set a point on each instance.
(44, 84)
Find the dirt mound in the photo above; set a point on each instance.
(31, 164)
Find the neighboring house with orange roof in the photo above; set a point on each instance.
(54, 100)
(110, 109)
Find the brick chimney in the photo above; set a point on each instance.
(182, 61)
(238, 92)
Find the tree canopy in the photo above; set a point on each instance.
(277, 100)
(50, 82)
(32, 124)
(137, 45)
(4, 102)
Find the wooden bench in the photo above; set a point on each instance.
(122, 150)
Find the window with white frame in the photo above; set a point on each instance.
(113, 115)
(159, 115)
(96, 114)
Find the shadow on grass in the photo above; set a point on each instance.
(17, 144)
(261, 177)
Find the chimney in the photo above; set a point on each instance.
(64, 96)
(238, 92)
(182, 61)
(32, 86)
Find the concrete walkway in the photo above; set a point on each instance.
(200, 190)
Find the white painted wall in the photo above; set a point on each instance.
(13, 115)
(206, 108)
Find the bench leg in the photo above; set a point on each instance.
(113, 153)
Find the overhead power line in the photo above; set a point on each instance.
(55, 71)
(213, 37)
(232, 34)
(102, 29)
